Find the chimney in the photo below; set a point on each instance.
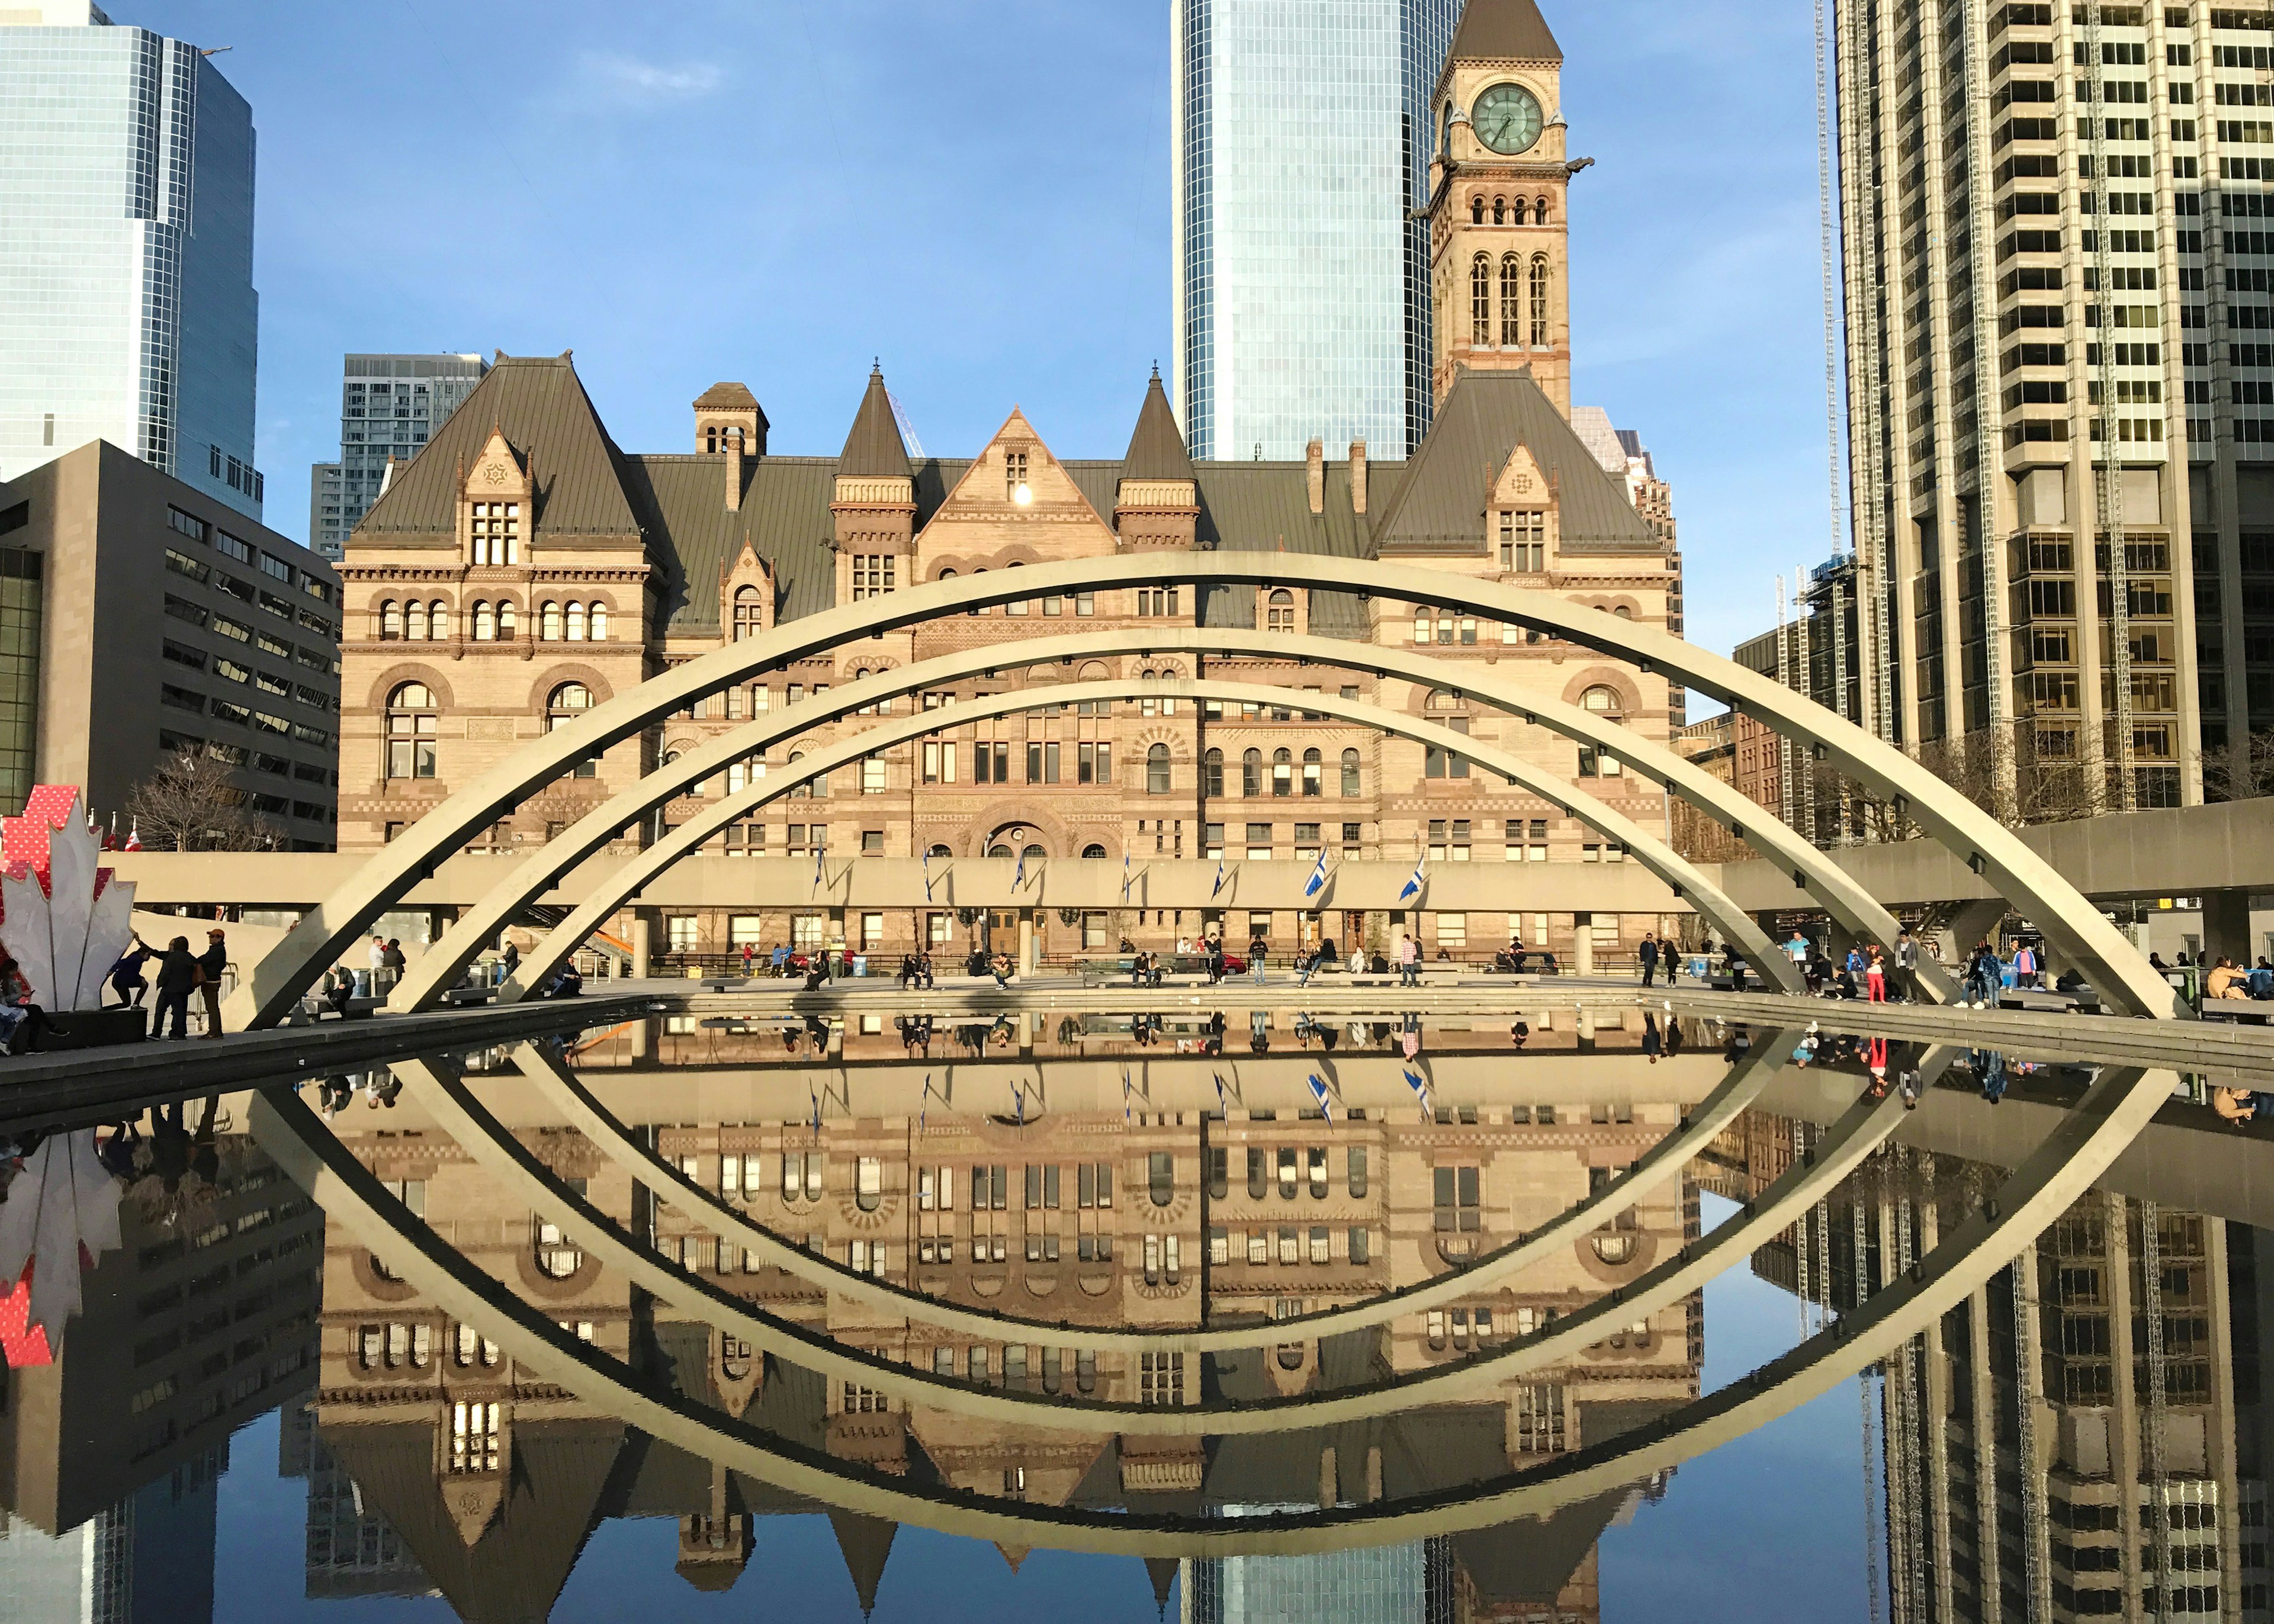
(733, 440)
(1358, 477)
(1315, 457)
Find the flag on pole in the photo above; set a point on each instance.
(1018, 880)
(1125, 1096)
(1125, 879)
(134, 836)
(1020, 1094)
(816, 870)
(924, 1109)
(817, 1107)
(1219, 1092)
(927, 874)
(1317, 883)
(1419, 1085)
(1414, 885)
(1319, 1093)
(1217, 889)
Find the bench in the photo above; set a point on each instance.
(2254, 1011)
(461, 996)
(313, 1009)
(2037, 1000)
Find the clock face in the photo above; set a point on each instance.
(1507, 119)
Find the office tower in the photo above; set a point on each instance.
(140, 618)
(390, 406)
(127, 310)
(2059, 372)
(1299, 141)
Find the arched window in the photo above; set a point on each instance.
(1539, 212)
(798, 792)
(412, 724)
(1511, 299)
(484, 621)
(1481, 328)
(1442, 699)
(1350, 773)
(1500, 211)
(438, 621)
(1093, 851)
(557, 1256)
(1212, 773)
(1624, 612)
(567, 704)
(548, 622)
(390, 621)
(576, 622)
(1157, 770)
(1314, 766)
(1601, 700)
(1476, 211)
(600, 622)
(505, 620)
(414, 621)
(747, 621)
(1282, 773)
(1517, 213)
(941, 851)
(1539, 299)
(1031, 852)
(1251, 773)
(1279, 611)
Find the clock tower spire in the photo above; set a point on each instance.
(1499, 258)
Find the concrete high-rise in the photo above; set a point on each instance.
(2058, 384)
(127, 310)
(390, 406)
(1301, 140)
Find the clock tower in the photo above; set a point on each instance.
(1498, 264)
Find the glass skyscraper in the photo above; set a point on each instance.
(391, 405)
(1300, 143)
(127, 310)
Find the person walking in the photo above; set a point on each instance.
(211, 963)
(177, 974)
(1409, 961)
(127, 974)
(1648, 952)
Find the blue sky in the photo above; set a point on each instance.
(979, 195)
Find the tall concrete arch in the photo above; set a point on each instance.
(426, 980)
(2078, 929)
(1815, 873)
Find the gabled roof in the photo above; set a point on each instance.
(1441, 505)
(874, 448)
(1156, 450)
(1497, 30)
(540, 407)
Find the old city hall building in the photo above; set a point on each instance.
(522, 567)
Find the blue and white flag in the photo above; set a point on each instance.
(1020, 1094)
(817, 1107)
(819, 853)
(1219, 1092)
(927, 874)
(1217, 889)
(1018, 880)
(1419, 1085)
(1125, 878)
(1317, 883)
(1319, 1093)
(1125, 1096)
(1413, 886)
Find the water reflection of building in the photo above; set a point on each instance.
(201, 1319)
(147, 1560)
(494, 1479)
(2084, 1437)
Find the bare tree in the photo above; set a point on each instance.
(189, 805)
(2242, 770)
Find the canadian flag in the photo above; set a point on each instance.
(133, 839)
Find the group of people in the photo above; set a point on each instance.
(2229, 979)
(916, 970)
(181, 974)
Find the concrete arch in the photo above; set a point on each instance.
(1848, 903)
(2094, 1131)
(2125, 980)
(1663, 1161)
(438, 969)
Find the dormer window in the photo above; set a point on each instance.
(1014, 477)
(1524, 542)
(495, 533)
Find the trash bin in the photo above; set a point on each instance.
(860, 964)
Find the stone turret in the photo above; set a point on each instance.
(1157, 502)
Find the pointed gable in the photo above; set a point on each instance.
(866, 1545)
(1018, 501)
(1439, 506)
(1503, 30)
(874, 449)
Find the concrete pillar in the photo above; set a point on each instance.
(643, 948)
(1025, 941)
(2226, 926)
(641, 1039)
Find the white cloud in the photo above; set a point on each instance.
(628, 79)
